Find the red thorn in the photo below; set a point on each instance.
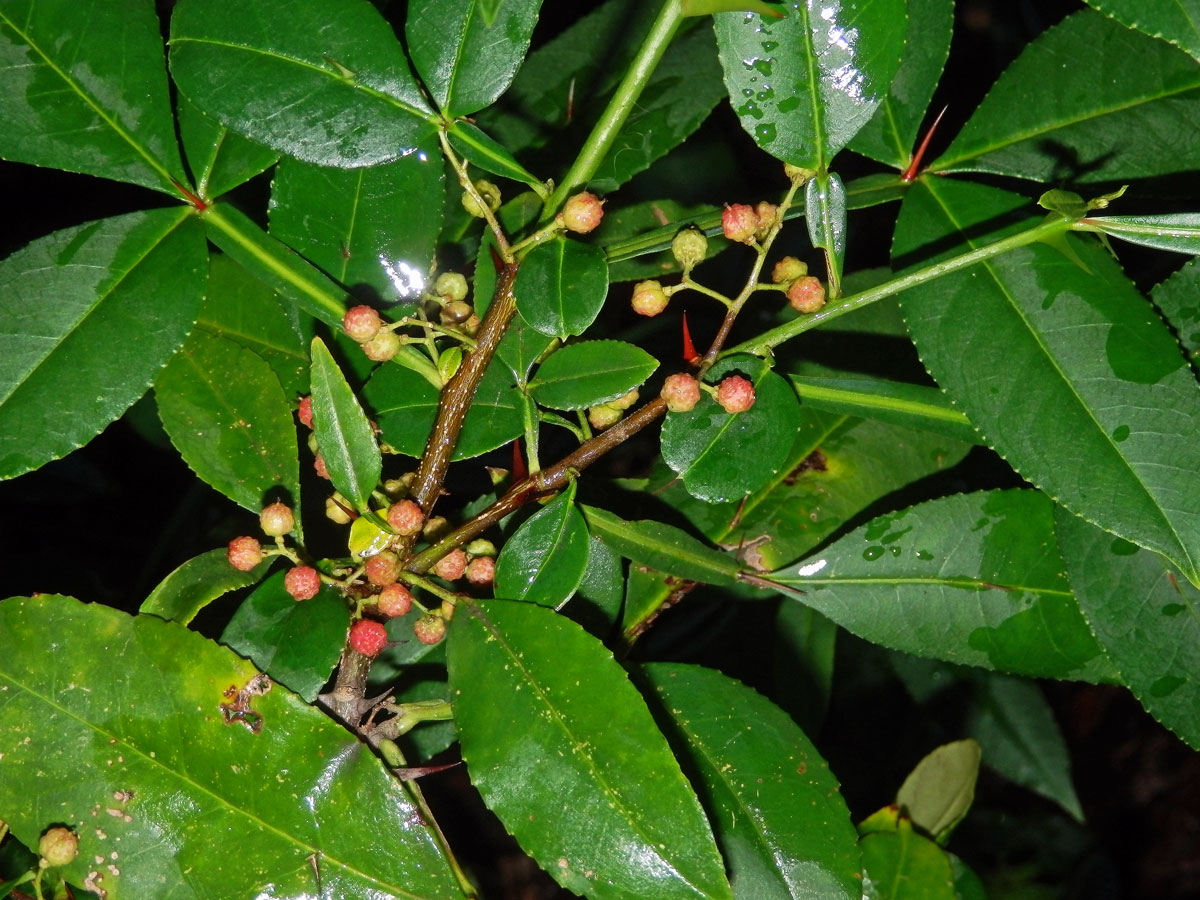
(914, 167)
(520, 471)
(496, 260)
(690, 356)
(200, 205)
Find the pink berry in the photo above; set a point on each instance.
(481, 570)
(394, 601)
(58, 847)
(361, 323)
(452, 565)
(406, 517)
(319, 467)
(277, 519)
(767, 214)
(681, 391)
(582, 212)
(305, 412)
(244, 553)
(302, 582)
(383, 568)
(368, 637)
(649, 298)
(739, 221)
(429, 629)
(807, 294)
(735, 394)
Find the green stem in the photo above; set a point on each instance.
(604, 134)
(765, 342)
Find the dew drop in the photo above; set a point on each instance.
(872, 553)
(1120, 433)
(765, 133)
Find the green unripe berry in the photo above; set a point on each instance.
(689, 247)
(429, 629)
(788, 270)
(451, 286)
(277, 519)
(490, 195)
(604, 416)
(57, 847)
(382, 347)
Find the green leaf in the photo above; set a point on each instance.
(891, 135)
(825, 215)
(344, 434)
(147, 739)
(561, 286)
(197, 583)
(84, 88)
(1175, 21)
(802, 86)
(780, 820)
(1122, 110)
(802, 655)
(244, 310)
(597, 602)
(544, 560)
(938, 792)
(228, 417)
(466, 57)
(1144, 616)
(903, 865)
(1087, 394)
(480, 150)
(297, 643)
(405, 405)
(325, 81)
(589, 373)
(723, 456)
(521, 347)
(971, 578)
(910, 405)
(556, 761)
(663, 547)
(86, 292)
(220, 160)
(346, 221)
(1021, 740)
(1178, 232)
(1176, 300)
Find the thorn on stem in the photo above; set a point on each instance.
(914, 167)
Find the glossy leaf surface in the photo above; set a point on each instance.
(196, 583)
(236, 433)
(1145, 616)
(723, 456)
(84, 88)
(466, 57)
(1054, 336)
(325, 81)
(910, 405)
(1122, 110)
(480, 149)
(588, 373)
(903, 865)
(1176, 299)
(891, 135)
(85, 291)
(561, 287)
(404, 404)
(971, 578)
(663, 547)
(220, 159)
(372, 229)
(344, 434)
(1177, 232)
(544, 560)
(779, 818)
(297, 643)
(270, 780)
(804, 85)
(554, 761)
(1176, 21)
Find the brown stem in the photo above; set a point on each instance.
(548, 480)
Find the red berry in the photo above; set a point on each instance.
(361, 323)
(807, 294)
(277, 519)
(681, 391)
(368, 637)
(582, 212)
(452, 565)
(302, 582)
(481, 570)
(383, 568)
(649, 298)
(244, 553)
(739, 221)
(406, 517)
(429, 629)
(394, 601)
(305, 412)
(735, 394)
